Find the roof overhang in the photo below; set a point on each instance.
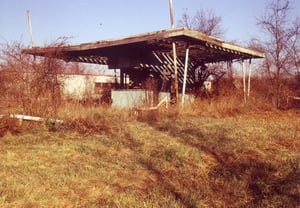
(132, 51)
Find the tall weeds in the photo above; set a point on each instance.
(29, 85)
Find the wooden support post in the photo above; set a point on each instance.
(116, 80)
(30, 28)
(249, 78)
(125, 81)
(175, 70)
(230, 70)
(244, 80)
(121, 79)
(171, 13)
(174, 51)
(184, 76)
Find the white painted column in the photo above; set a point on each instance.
(174, 50)
(185, 75)
(249, 78)
(30, 28)
(244, 80)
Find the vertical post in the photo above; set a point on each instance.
(121, 79)
(175, 70)
(116, 80)
(171, 13)
(30, 28)
(230, 71)
(174, 51)
(125, 80)
(244, 80)
(185, 75)
(249, 78)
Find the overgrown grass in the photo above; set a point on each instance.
(108, 158)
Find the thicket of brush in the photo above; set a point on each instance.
(31, 85)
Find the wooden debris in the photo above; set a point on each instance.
(163, 101)
(32, 118)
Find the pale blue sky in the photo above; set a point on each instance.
(91, 20)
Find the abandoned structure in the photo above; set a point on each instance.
(153, 58)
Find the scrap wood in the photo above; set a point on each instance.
(293, 97)
(31, 118)
(165, 100)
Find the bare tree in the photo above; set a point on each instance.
(203, 21)
(281, 34)
(207, 22)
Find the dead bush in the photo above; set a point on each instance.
(16, 126)
(87, 126)
(29, 85)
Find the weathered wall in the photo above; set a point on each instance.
(82, 86)
(140, 98)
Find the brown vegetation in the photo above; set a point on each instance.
(29, 85)
(217, 152)
(281, 45)
(232, 156)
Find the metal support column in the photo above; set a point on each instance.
(175, 71)
(174, 51)
(185, 75)
(244, 81)
(249, 78)
(121, 79)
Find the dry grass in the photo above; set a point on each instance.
(218, 152)
(107, 158)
